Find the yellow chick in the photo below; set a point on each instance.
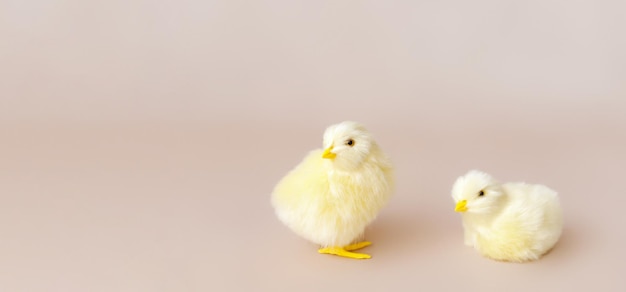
(509, 222)
(333, 194)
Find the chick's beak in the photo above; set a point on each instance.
(461, 206)
(328, 154)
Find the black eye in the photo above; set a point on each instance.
(350, 142)
(481, 193)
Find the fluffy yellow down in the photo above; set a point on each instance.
(332, 207)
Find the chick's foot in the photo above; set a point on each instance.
(357, 246)
(346, 251)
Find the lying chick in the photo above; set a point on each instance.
(510, 222)
(332, 195)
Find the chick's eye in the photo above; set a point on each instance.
(481, 193)
(350, 142)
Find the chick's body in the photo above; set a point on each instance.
(510, 222)
(332, 195)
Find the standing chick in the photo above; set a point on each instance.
(333, 194)
(510, 222)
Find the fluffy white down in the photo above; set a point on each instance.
(511, 221)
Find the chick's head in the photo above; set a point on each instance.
(477, 193)
(347, 145)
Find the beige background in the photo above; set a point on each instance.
(140, 140)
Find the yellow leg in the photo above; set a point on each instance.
(357, 246)
(346, 250)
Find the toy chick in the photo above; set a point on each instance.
(334, 193)
(514, 222)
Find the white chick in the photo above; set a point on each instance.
(333, 194)
(509, 222)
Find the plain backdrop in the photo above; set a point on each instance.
(140, 140)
